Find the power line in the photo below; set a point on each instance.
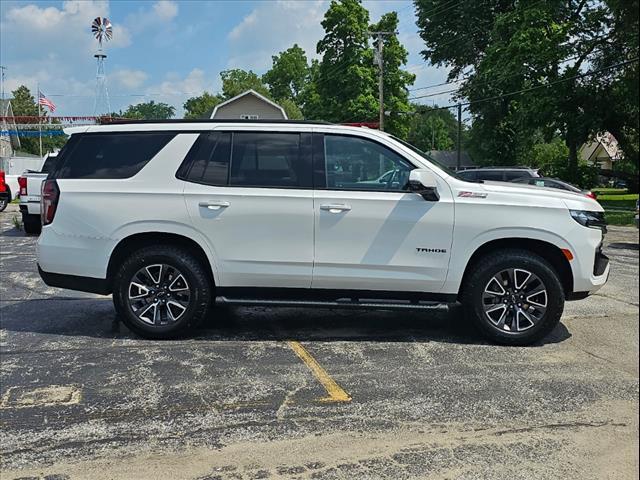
(536, 87)
(493, 80)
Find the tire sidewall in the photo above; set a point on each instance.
(534, 264)
(153, 256)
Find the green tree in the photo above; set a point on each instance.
(538, 49)
(288, 75)
(346, 75)
(395, 80)
(236, 81)
(201, 106)
(432, 128)
(149, 111)
(23, 103)
(291, 109)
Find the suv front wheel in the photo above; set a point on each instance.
(161, 291)
(514, 297)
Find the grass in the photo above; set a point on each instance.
(619, 202)
(620, 218)
(16, 222)
(609, 191)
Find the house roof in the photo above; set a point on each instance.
(609, 145)
(449, 158)
(249, 92)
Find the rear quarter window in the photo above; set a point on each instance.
(109, 155)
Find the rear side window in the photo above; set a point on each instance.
(208, 160)
(468, 174)
(491, 176)
(515, 175)
(270, 159)
(110, 155)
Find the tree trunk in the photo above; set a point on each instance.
(572, 171)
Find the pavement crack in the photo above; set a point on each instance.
(288, 400)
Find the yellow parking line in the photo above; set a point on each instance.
(335, 391)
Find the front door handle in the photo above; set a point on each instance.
(214, 205)
(335, 207)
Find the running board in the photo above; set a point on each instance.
(340, 303)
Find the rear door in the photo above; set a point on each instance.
(250, 194)
(373, 235)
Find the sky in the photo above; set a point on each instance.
(168, 51)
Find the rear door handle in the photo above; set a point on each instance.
(335, 207)
(214, 205)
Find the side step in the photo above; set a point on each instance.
(339, 303)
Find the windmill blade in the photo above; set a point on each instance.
(102, 29)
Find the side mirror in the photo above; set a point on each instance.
(423, 182)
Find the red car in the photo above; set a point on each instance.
(5, 195)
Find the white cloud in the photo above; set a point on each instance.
(68, 26)
(165, 9)
(176, 89)
(273, 27)
(128, 78)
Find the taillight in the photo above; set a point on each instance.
(22, 183)
(49, 201)
(3, 185)
(592, 195)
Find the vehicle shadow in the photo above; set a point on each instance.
(94, 317)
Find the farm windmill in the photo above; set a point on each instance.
(102, 30)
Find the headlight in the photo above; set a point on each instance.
(590, 219)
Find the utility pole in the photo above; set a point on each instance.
(378, 59)
(459, 134)
(2, 69)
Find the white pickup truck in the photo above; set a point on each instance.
(30, 183)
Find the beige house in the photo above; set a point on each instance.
(249, 105)
(602, 151)
(9, 141)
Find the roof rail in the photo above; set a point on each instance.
(126, 121)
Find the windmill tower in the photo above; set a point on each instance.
(103, 31)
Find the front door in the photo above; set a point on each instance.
(250, 194)
(371, 232)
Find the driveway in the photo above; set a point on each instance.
(326, 394)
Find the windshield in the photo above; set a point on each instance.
(429, 158)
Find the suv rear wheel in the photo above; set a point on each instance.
(514, 297)
(161, 291)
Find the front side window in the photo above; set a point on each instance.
(110, 155)
(270, 159)
(354, 163)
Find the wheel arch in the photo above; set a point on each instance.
(139, 240)
(550, 252)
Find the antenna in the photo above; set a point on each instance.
(102, 30)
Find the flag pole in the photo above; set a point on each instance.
(39, 120)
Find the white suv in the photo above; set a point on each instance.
(174, 217)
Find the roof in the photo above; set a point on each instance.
(609, 144)
(249, 92)
(450, 158)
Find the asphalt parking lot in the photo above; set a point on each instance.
(326, 394)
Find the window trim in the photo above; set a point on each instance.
(320, 164)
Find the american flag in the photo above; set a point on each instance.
(45, 102)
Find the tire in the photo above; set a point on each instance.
(5, 201)
(529, 314)
(177, 314)
(31, 224)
